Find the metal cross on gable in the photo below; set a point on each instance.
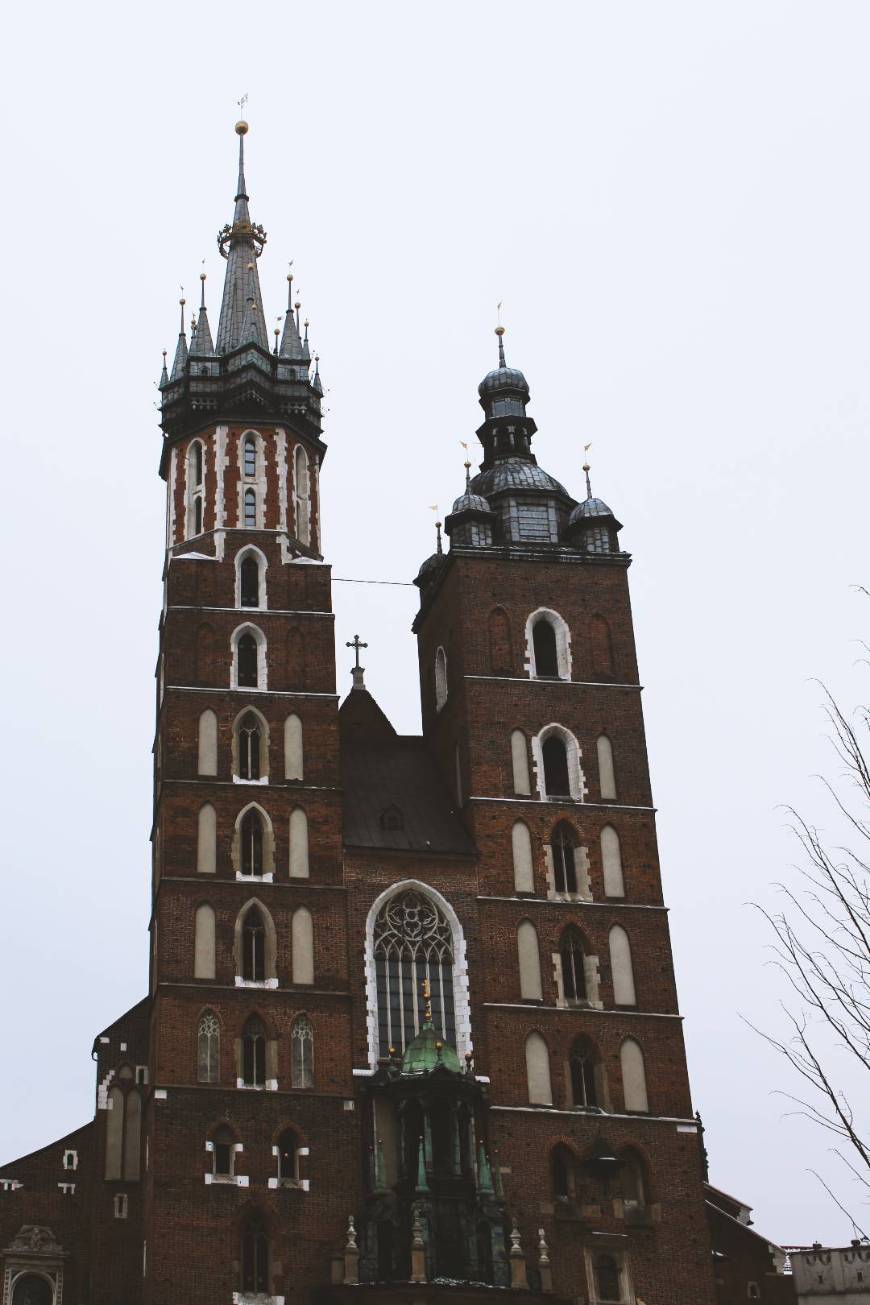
(356, 643)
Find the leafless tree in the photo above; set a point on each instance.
(822, 947)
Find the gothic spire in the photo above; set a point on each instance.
(201, 345)
(180, 362)
(241, 319)
(291, 345)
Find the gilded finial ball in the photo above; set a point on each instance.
(182, 301)
(306, 322)
(499, 330)
(297, 305)
(439, 1046)
(289, 276)
(586, 466)
(202, 276)
(241, 127)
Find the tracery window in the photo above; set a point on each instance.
(412, 941)
(302, 1053)
(208, 1049)
(249, 747)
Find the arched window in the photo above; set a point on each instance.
(288, 1159)
(255, 1258)
(562, 1171)
(582, 1065)
(207, 744)
(247, 661)
(123, 1128)
(608, 1286)
(293, 751)
(254, 1053)
(521, 846)
(302, 495)
(204, 942)
(606, 773)
(249, 581)
(302, 946)
(250, 457)
(611, 863)
(223, 1153)
(544, 642)
(208, 1048)
(250, 509)
(206, 840)
(555, 758)
(601, 647)
(500, 651)
(573, 961)
(249, 745)
(633, 1076)
(251, 839)
(32, 1289)
(253, 947)
(621, 967)
(520, 762)
(529, 962)
(538, 1071)
(440, 678)
(298, 844)
(564, 860)
(194, 488)
(412, 941)
(301, 1053)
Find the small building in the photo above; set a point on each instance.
(839, 1275)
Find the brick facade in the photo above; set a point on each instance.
(181, 1233)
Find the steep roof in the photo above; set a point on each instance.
(394, 797)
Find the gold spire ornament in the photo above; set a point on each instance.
(427, 1001)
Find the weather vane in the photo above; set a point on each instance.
(241, 103)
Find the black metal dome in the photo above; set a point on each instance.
(518, 474)
(504, 378)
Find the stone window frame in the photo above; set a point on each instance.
(257, 482)
(248, 627)
(264, 747)
(621, 1257)
(574, 754)
(251, 550)
(268, 875)
(563, 643)
(193, 493)
(21, 1265)
(270, 946)
(461, 997)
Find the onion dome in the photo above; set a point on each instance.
(592, 527)
(469, 502)
(470, 524)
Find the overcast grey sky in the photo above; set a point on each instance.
(672, 200)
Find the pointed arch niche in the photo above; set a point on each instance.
(461, 1004)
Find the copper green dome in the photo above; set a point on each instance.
(429, 1050)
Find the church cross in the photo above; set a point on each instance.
(356, 643)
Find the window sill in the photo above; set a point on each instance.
(267, 878)
(226, 1180)
(290, 1184)
(264, 779)
(255, 983)
(271, 1085)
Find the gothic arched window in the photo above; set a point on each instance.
(251, 835)
(250, 509)
(413, 941)
(255, 1258)
(440, 678)
(249, 581)
(555, 756)
(208, 1049)
(254, 1054)
(301, 1053)
(247, 661)
(253, 946)
(250, 457)
(249, 747)
(573, 960)
(564, 864)
(584, 1088)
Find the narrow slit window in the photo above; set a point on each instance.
(251, 834)
(254, 947)
(564, 864)
(250, 509)
(247, 662)
(250, 457)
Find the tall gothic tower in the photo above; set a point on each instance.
(411, 1015)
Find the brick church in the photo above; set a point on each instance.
(411, 1029)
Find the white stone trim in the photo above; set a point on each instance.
(576, 778)
(281, 463)
(461, 999)
(255, 983)
(170, 506)
(220, 464)
(563, 643)
(257, 483)
(248, 627)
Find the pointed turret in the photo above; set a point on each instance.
(241, 320)
(201, 345)
(316, 385)
(291, 344)
(164, 374)
(180, 362)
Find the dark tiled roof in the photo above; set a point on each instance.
(397, 784)
(516, 473)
